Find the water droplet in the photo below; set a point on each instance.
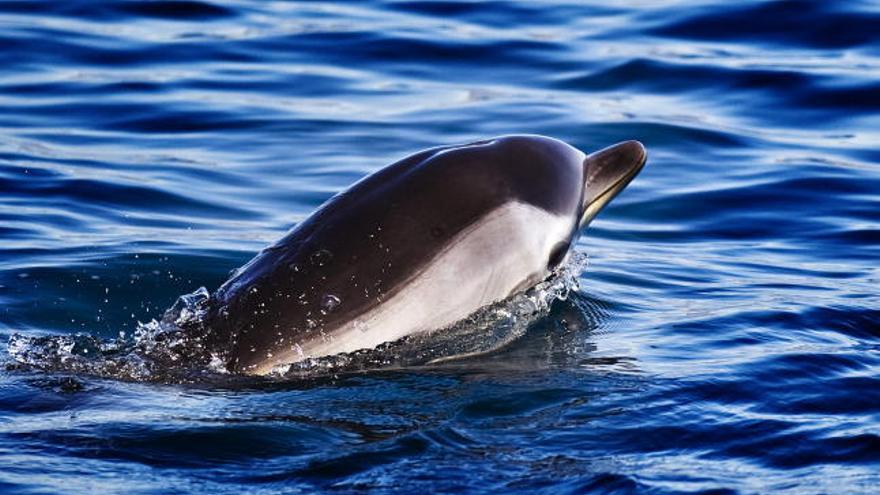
(321, 257)
(361, 326)
(329, 302)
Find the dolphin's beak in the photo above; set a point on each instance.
(607, 172)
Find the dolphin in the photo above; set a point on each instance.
(416, 246)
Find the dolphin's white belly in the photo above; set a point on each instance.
(506, 251)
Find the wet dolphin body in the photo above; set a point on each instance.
(416, 246)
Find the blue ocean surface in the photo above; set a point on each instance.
(726, 334)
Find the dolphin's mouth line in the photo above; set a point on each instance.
(608, 194)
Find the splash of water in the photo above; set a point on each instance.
(174, 348)
(170, 349)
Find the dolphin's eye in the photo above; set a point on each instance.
(557, 254)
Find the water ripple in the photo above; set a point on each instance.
(726, 338)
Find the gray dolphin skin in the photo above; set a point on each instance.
(414, 247)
